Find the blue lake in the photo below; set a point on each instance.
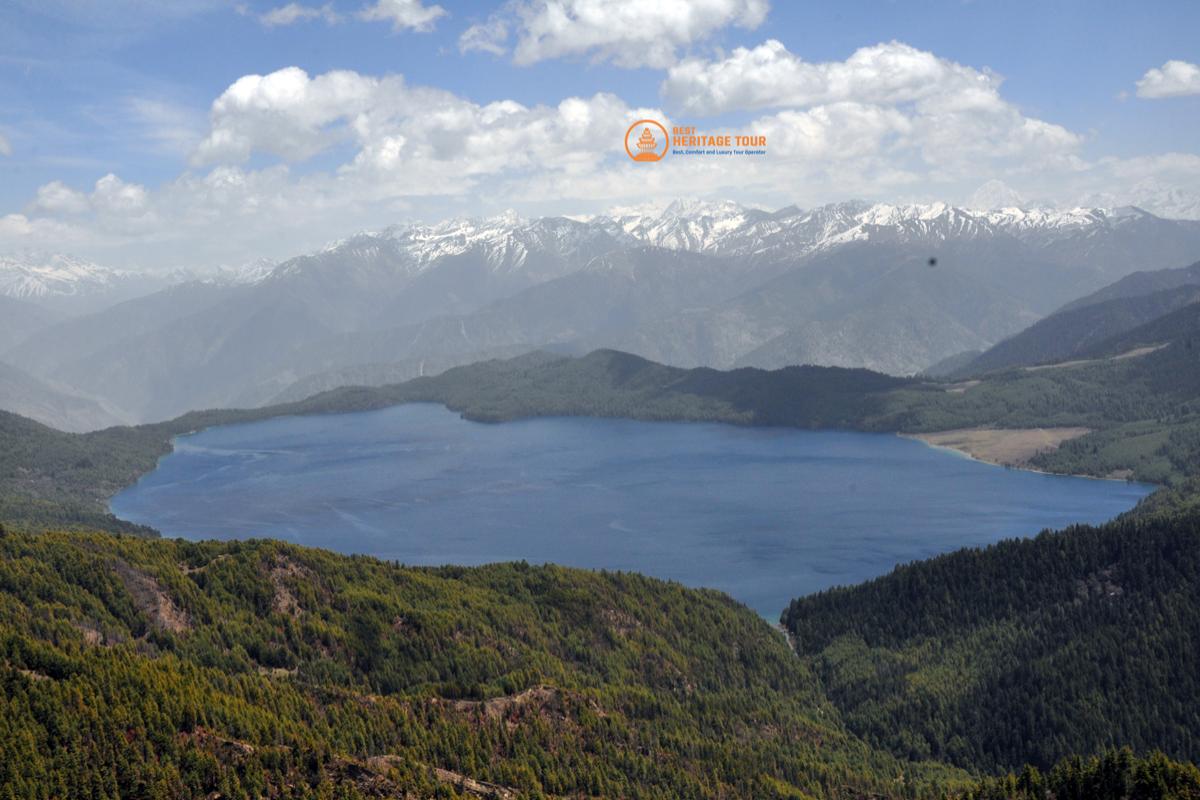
(765, 514)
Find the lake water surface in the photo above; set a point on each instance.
(765, 514)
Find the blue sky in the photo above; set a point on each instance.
(128, 89)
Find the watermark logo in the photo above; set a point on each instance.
(647, 140)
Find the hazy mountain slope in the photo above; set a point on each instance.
(874, 304)
(383, 374)
(697, 284)
(71, 285)
(23, 394)
(1141, 283)
(951, 364)
(1111, 243)
(1179, 328)
(599, 303)
(471, 265)
(1078, 329)
(913, 315)
(205, 360)
(20, 319)
(80, 339)
(218, 344)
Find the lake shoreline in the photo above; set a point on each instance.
(762, 513)
(1011, 448)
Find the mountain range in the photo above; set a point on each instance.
(888, 287)
(1095, 324)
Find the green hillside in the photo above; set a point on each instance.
(1026, 651)
(149, 668)
(1072, 333)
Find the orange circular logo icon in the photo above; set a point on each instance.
(647, 140)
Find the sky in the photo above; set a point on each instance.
(199, 133)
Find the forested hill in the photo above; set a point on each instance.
(1074, 332)
(140, 668)
(1025, 651)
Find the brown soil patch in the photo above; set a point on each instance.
(285, 600)
(1010, 447)
(152, 600)
(537, 698)
(1134, 353)
(620, 622)
(370, 776)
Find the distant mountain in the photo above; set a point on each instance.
(893, 288)
(72, 285)
(1077, 331)
(20, 319)
(23, 394)
(951, 364)
(1141, 283)
(37, 276)
(382, 374)
(1179, 328)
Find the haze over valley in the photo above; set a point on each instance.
(895, 289)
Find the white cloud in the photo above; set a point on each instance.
(1172, 79)
(288, 114)
(924, 129)
(950, 114)
(403, 14)
(292, 13)
(5, 147)
(426, 131)
(629, 33)
(485, 37)
(769, 76)
(57, 197)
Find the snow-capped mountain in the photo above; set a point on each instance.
(729, 229)
(505, 243)
(691, 283)
(254, 271)
(35, 276)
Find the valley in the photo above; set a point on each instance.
(258, 665)
(599, 400)
(694, 284)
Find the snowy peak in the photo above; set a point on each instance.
(506, 243)
(35, 276)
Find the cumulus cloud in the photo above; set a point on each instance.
(921, 129)
(395, 126)
(58, 198)
(403, 14)
(949, 113)
(770, 76)
(287, 114)
(1172, 79)
(114, 195)
(292, 13)
(629, 33)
